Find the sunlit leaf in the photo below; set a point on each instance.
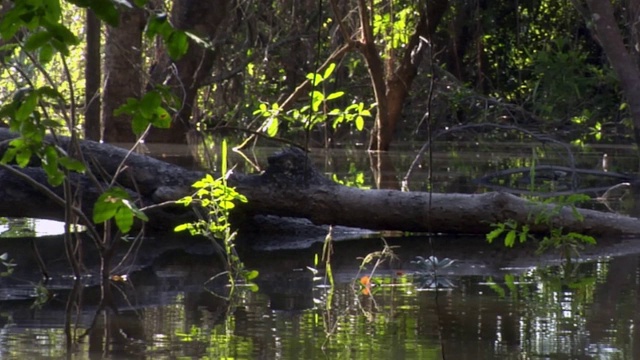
(493, 234)
(272, 130)
(329, 70)
(359, 123)
(181, 227)
(510, 239)
(335, 95)
(250, 275)
(177, 44)
(124, 219)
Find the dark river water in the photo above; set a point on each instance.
(491, 302)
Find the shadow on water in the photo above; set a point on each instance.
(501, 303)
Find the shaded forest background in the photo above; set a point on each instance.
(402, 68)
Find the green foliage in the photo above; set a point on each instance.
(355, 178)
(317, 112)
(395, 26)
(176, 41)
(511, 231)
(148, 111)
(218, 199)
(115, 203)
(213, 201)
(567, 243)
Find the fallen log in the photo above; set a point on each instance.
(292, 187)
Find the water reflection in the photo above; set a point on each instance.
(508, 304)
(546, 312)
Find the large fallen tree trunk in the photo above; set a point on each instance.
(292, 187)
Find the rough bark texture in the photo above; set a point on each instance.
(626, 68)
(92, 75)
(123, 73)
(185, 75)
(292, 187)
(392, 78)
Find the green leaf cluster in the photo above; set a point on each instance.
(177, 41)
(568, 243)
(115, 203)
(32, 124)
(147, 111)
(317, 111)
(218, 199)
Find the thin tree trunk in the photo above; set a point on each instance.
(92, 75)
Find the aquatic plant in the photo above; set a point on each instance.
(427, 274)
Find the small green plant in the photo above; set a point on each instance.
(213, 201)
(427, 274)
(567, 243)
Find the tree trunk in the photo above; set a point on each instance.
(392, 79)
(123, 73)
(185, 75)
(292, 187)
(608, 34)
(92, 76)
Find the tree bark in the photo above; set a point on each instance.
(123, 73)
(292, 187)
(185, 75)
(92, 76)
(608, 34)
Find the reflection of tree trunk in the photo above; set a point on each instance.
(184, 76)
(384, 173)
(92, 74)
(123, 73)
(619, 282)
(608, 34)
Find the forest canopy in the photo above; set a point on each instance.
(320, 73)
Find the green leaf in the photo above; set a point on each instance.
(181, 227)
(37, 40)
(272, 130)
(494, 234)
(335, 95)
(27, 107)
(108, 204)
(23, 156)
(329, 71)
(139, 124)
(161, 118)
(124, 219)
(62, 34)
(315, 79)
(177, 44)
(46, 54)
(104, 209)
(72, 164)
(149, 103)
(250, 275)
(510, 239)
(359, 123)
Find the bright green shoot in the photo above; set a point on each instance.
(213, 201)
